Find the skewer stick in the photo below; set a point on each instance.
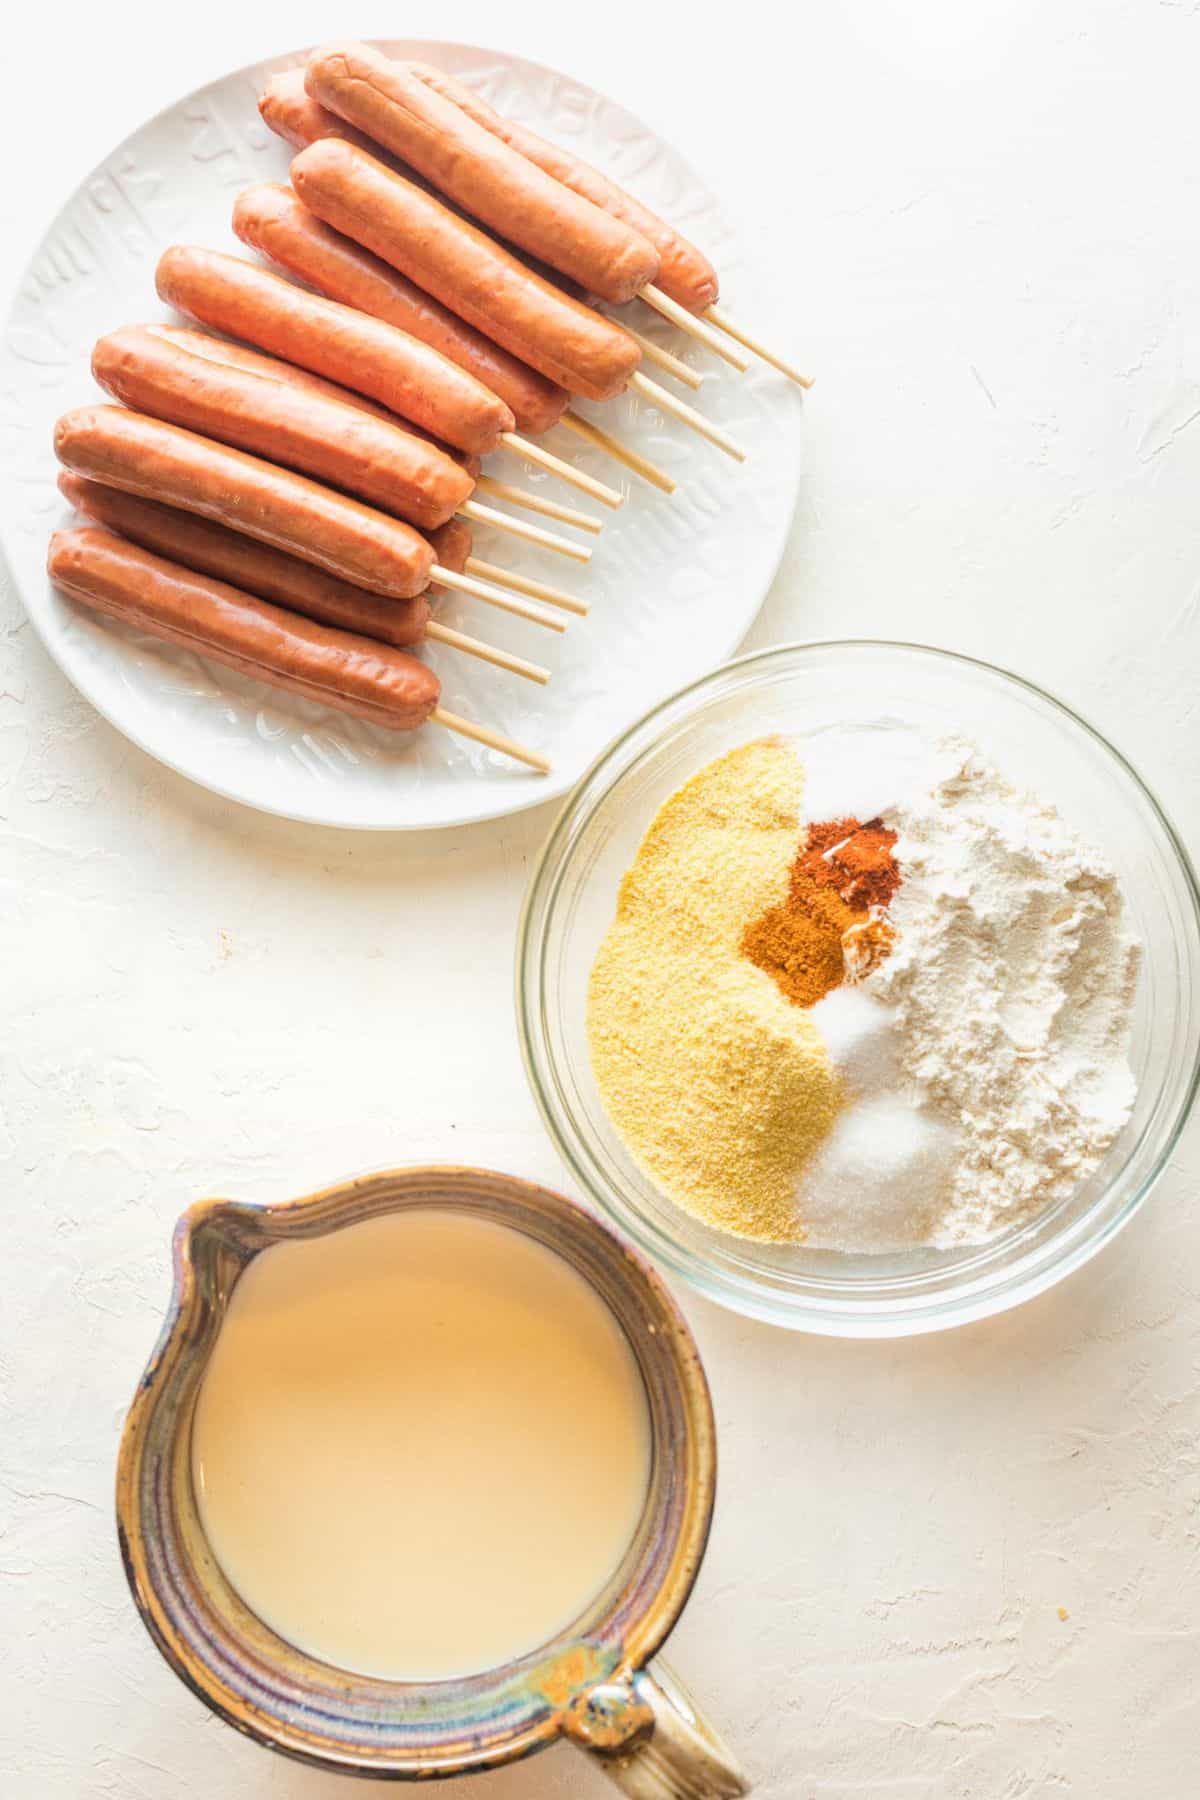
(495, 740)
(662, 359)
(458, 640)
(532, 534)
(587, 484)
(658, 396)
(686, 321)
(549, 509)
(478, 590)
(632, 459)
(521, 584)
(723, 322)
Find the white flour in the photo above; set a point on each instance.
(986, 1058)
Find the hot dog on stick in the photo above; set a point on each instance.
(481, 173)
(484, 173)
(299, 120)
(685, 276)
(222, 351)
(352, 348)
(157, 461)
(479, 280)
(212, 549)
(685, 289)
(271, 409)
(271, 219)
(371, 681)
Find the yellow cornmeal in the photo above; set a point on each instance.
(719, 1086)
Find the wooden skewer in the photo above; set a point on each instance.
(532, 534)
(658, 396)
(587, 484)
(489, 653)
(521, 584)
(632, 459)
(723, 322)
(686, 321)
(495, 740)
(549, 509)
(478, 590)
(662, 359)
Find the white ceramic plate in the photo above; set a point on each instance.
(674, 582)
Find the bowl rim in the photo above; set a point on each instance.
(1057, 1259)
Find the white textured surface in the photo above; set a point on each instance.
(989, 215)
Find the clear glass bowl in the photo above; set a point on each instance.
(1037, 742)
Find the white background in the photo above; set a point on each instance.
(983, 223)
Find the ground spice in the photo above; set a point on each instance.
(829, 925)
(855, 859)
(719, 1088)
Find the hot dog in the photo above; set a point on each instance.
(273, 221)
(221, 351)
(481, 173)
(684, 272)
(411, 380)
(372, 681)
(288, 111)
(255, 410)
(224, 352)
(255, 568)
(461, 266)
(160, 462)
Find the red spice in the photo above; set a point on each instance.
(855, 859)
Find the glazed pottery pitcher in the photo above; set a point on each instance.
(593, 1684)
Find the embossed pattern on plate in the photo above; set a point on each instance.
(674, 582)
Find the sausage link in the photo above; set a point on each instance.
(461, 266)
(452, 544)
(291, 114)
(225, 353)
(270, 417)
(481, 173)
(255, 568)
(684, 272)
(222, 352)
(352, 674)
(246, 301)
(160, 462)
(273, 221)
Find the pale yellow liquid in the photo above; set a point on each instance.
(422, 1445)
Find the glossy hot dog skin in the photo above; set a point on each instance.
(156, 461)
(174, 377)
(452, 544)
(480, 172)
(257, 569)
(289, 111)
(345, 346)
(220, 350)
(272, 220)
(684, 272)
(372, 681)
(461, 266)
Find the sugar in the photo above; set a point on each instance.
(876, 1182)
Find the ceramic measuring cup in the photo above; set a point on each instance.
(593, 1684)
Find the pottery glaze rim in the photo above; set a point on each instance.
(334, 1719)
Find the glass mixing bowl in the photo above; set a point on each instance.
(1038, 743)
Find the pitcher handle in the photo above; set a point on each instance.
(650, 1738)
